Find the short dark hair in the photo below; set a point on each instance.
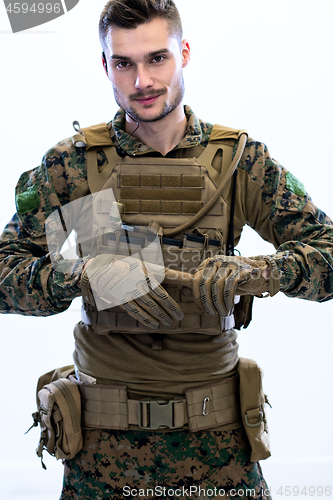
(132, 13)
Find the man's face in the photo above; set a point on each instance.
(145, 68)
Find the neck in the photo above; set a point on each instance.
(162, 135)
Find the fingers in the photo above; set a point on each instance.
(147, 310)
(152, 307)
(129, 283)
(140, 315)
(223, 289)
(205, 286)
(163, 298)
(215, 283)
(201, 286)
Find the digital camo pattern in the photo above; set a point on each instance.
(302, 234)
(111, 464)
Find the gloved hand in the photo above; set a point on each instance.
(130, 283)
(218, 279)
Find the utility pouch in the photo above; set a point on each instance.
(252, 401)
(59, 417)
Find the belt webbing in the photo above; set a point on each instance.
(107, 407)
(92, 317)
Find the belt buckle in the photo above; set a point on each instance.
(160, 414)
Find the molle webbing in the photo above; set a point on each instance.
(117, 320)
(107, 407)
(161, 194)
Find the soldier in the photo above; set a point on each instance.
(164, 167)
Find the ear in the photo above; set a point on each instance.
(105, 65)
(186, 53)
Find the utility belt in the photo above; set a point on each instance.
(107, 407)
(66, 405)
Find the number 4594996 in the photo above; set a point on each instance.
(306, 490)
(35, 8)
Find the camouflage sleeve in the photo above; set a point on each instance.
(275, 204)
(31, 282)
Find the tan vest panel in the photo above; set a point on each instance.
(168, 191)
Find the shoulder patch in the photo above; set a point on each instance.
(294, 185)
(28, 200)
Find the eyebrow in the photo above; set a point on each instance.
(146, 56)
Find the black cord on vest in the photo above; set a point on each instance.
(231, 236)
(119, 150)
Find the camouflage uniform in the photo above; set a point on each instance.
(204, 460)
(269, 199)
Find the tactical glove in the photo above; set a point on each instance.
(219, 279)
(129, 283)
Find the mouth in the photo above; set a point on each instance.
(147, 100)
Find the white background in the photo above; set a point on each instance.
(265, 66)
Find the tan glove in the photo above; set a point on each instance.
(129, 283)
(219, 279)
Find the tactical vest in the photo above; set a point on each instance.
(162, 193)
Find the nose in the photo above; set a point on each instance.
(143, 78)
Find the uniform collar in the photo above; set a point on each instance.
(131, 145)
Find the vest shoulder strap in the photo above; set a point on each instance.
(219, 133)
(221, 139)
(94, 136)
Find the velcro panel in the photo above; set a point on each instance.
(150, 207)
(171, 181)
(150, 180)
(191, 207)
(129, 180)
(162, 181)
(192, 181)
(171, 207)
(132, 206)
(161, 207)
(161, 194)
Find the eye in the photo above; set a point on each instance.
(158, 59)
(122, 64)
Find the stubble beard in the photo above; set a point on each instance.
(167, 108)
